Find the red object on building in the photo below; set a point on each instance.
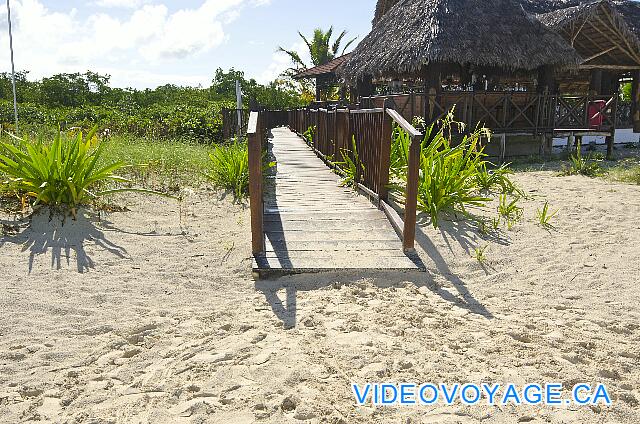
(596, 113)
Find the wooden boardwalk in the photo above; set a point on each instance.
(312, 224)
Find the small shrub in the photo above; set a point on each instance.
(63, 173)
(545, 217)
(497, 179)
(230, 168)
(309, 135)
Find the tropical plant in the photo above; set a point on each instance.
(447, 180)
(63, 174)
(351, 166)
(498, 178)
(509, 210)
(230, 168)
(322, 49)
(582, 166)
(545, 217)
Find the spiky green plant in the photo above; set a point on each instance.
(579, 165)
(496, 179)
(545, 216)
(64, 173)
(230, 168)
(351, 167)
(448, 174)
(509, 210)
(479, 253)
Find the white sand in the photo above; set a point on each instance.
(165, 325)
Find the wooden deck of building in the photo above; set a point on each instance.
(312, 224)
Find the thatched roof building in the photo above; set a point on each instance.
(415, 33)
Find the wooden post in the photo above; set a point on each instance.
(635, 102)
(411, 201)
(595, 86)
(610, 140)
(255, 135)
(385, 154)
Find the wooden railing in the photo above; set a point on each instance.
(256, 137)
(234, 122)
(333, 134)
(511, 112)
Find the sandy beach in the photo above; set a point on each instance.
(151, 316)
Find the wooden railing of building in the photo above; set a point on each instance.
(234, 122)
(511, 112)
(332, 134)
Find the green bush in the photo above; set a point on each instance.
(582, 166)
(230, 168)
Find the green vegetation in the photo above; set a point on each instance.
(545, 216)
(479, 253)
(627, 172)
(449, 176)
(509, 210)
(167, 112)
(322, 49)
(62, 174)
(626, 92)
(582, 166)
(351, 166)
(230, 168)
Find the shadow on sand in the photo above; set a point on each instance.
(285, 308)
(44, 233)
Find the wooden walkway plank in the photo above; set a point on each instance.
(313, 224)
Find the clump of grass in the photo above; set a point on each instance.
(496, 179)
(545, 216)
(509, 210)
(579, 165)
(63, 174)
(229, 168)
(626, 173)
(479, 253)
(351, 166)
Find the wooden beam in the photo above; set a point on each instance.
(602, 53)
(613, 67)
(632, 49)
(629, 51)
(635, 102)
(411, 200)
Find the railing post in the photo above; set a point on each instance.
(411, 201)
(385, 155)
(255, 135)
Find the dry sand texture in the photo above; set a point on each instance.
(146, 317)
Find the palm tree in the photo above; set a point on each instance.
(321, 50)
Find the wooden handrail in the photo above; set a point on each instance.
(255, 140)
(403, 123)
(413, 176)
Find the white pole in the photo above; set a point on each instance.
(13, 67)
(239, 107)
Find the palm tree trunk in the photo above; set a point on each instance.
(13, 67)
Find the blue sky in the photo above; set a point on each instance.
(146, 43)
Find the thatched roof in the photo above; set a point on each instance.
(630, 9)
(598, 31)
(496, 33)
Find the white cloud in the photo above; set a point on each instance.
(150, 36)
(130, 4)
